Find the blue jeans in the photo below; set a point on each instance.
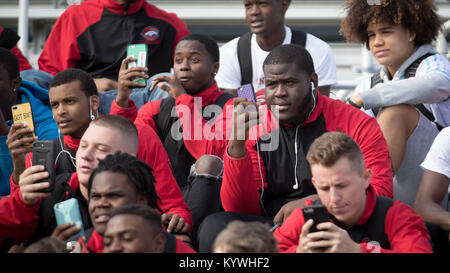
(140, 96)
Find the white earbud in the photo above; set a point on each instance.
(90, 109)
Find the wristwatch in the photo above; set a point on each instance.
(349, 101)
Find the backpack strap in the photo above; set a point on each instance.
(298, 37)
(410, 71)
(244, 49)
(164, 120)
(220, 101)
(171, 243)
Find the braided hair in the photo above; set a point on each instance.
(138, 172)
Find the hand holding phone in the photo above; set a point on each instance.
(318, 213)
(44, 154)
(246, 91)
(139, 52)
(22, 114)
(68, 211)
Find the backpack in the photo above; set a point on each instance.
(245, 53)
(180, 158)
(410, 71)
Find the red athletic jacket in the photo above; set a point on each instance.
(94, 35)
(404, 229)
(195, 131)
(241, 185)
(150, 150)
(8, 40)
(95, 244)
(17, 219)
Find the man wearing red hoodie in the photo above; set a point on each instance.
(171, 202)
(94, 35)
(360, 220)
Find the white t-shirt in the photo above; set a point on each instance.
(229, 75)
(438, 158)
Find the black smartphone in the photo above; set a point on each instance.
(246, 91)
(318, 213)
(44, 154)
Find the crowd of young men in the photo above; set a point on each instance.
(172, 173)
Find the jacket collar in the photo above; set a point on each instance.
(209, 95)
(95, 243)
(117, 7)
(71, 142)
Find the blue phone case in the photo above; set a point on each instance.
(69, 211)
(246, 91)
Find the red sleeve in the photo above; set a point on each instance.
(153, 153)
(405, 230)
(243, 178)
(367, 133)
(24, 64)
(129, 113)
(288, 234)
(201, 137)
(182, 247)
(28, 163)
(241, 182)
(17, 219)
(61, 48)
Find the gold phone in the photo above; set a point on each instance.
(22, 114)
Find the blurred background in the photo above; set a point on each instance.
(223, 20)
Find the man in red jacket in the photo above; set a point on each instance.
(119, 180)
(360, 220)
(116, 135)
(267, 176)
(137, 229)
(94, 35)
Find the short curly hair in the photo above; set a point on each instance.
(417, 16)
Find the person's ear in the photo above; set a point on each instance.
(95, 103)
(367, 176)
(314, 79)
(160, 243)
(16, 83)
(285, 5)
(215, 68)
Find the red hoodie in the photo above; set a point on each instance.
(405, 230)
(150, 150)
(94, 36)
(242, 184)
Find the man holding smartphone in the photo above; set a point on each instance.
(12, 136)
(360, 221)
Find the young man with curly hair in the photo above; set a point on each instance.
(409, 95)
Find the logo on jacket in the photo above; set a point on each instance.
(150, 33)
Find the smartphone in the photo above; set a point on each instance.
(22, 114)
(318, 213)
(139, 52)
(44, 154)
(69, 211)
(247, 91)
